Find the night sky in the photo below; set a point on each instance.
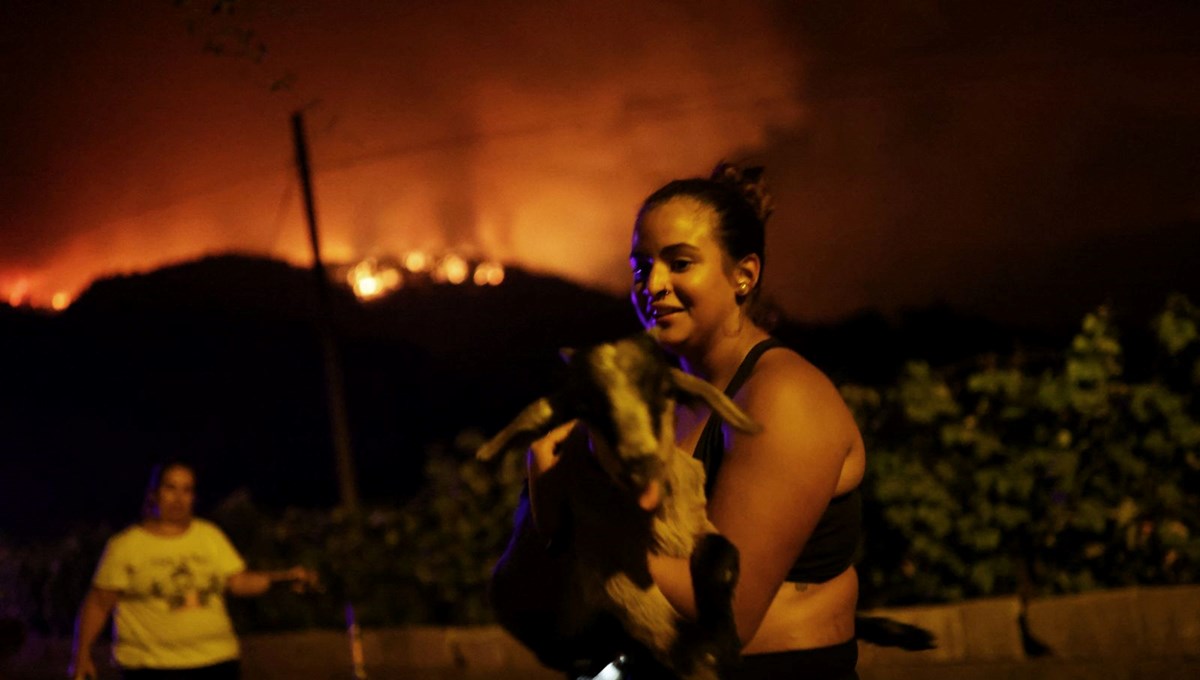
(1021, 160)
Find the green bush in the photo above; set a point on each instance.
(426, 562)
(1015, 477)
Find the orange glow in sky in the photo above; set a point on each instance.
(491, 148)
(917, 154)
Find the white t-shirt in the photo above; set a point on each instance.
(171, 610)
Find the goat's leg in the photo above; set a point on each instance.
(714, 569)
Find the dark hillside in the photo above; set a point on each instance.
(218, 360)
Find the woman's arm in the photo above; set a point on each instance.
(93, 613)
(772, 487)
(253, 583)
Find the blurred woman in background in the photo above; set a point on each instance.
(166, 578)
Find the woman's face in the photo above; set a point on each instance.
(682, 282)
(176, 495)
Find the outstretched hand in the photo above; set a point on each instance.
(301, 579)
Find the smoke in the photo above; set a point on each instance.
(987, 156)
(918, 151)
(527, 131)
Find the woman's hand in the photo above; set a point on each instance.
(93, 613)
(543, 454)
(255, 583)
(301, 579)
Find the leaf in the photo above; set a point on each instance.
(1126, 512)
(1176, 326)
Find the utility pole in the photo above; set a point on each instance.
(334, 383)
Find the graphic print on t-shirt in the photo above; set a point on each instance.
(181, 584)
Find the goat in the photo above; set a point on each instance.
(625, 393)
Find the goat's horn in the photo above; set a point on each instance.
(535, 420)
(721, 404)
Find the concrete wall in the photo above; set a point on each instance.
(1127, 634)
(1130, 633)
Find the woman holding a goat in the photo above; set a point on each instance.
(786, 496)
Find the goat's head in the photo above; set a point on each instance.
(626, 392)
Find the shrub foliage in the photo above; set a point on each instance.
(1036, 475)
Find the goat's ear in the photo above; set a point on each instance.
(722, 405)
(534, 421)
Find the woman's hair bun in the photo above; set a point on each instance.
(748, 183)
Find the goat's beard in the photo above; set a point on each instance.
(635, 474)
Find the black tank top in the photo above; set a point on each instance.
(835, 540)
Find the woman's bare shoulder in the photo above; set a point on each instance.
(798, 399)
(783, 373)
